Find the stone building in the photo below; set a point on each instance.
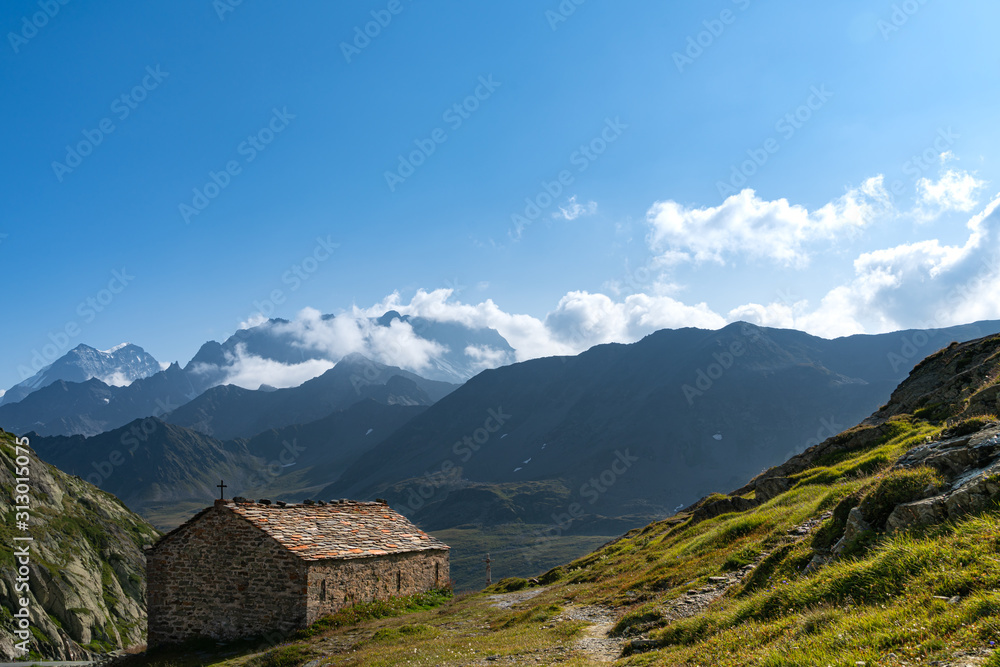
(245, 569)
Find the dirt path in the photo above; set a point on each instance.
(596, 642)
(508, 600)
(697, 600)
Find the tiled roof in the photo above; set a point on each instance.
(338, 530)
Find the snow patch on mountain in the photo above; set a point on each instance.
(118, 366)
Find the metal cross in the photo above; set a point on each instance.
(222, 489)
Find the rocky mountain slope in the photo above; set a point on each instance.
(86, 570)
(875, 547)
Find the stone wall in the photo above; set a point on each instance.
(218, 576)
(334, 584)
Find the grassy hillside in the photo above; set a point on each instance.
(877, 547)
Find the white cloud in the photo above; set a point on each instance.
(745, 224)
(250, 371)
(254, 320)
(573, 209)
(579, 321)
(954, 191)
(116, 379)
(484, 356)
(925, 284)
(336, 337)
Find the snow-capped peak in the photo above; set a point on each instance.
(115, 348)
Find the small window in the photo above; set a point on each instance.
(437, 573)
(399, 581)
(322, 590)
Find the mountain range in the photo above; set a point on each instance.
(167, 472)
(87, 392)
(584, 447)
(119, 366)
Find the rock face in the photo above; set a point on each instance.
(86, 583)
(970, 463)
(856, 526)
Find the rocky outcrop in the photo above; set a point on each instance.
(971, 464)
(956, 380)
(86, 570)
(856, 526)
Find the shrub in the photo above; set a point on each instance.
(552, 576)
(508, 585)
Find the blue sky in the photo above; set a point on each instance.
(854, 216)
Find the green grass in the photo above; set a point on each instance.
(284, 656)
(378, 609)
